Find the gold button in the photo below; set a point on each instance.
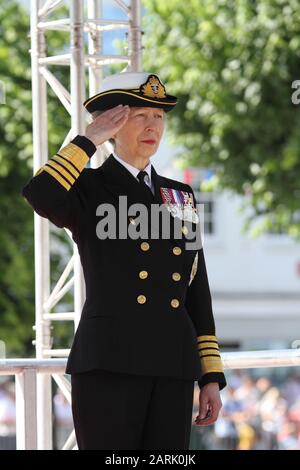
(145, 246)
(177, 250)
(143, 274)
(175, 303)
(185, 230)
(141, 299)
(176, 277)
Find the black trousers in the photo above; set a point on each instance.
(117, 411)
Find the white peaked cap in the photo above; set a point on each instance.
(132, 88)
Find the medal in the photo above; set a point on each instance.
(180, 204)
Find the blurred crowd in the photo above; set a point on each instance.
(257, 414)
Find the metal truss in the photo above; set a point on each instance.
(86, 27)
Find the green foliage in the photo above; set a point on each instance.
(16, 255)
(232, 64)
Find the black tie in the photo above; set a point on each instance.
(141, 178)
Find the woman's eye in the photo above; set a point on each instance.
(143, 114)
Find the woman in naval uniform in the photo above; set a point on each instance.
(147, 331)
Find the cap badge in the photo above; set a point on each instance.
(153, 88)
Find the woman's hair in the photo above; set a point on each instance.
(96, 114)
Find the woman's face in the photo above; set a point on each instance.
(143, 124)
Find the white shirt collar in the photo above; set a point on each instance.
(135, 171)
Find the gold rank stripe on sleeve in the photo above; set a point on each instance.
(75, 155)
(209, 354)
(202, 338)
(208, 344)
(211, 364)
(66, 165)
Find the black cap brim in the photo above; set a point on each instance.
(109, 99)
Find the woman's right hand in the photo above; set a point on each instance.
(107, 124)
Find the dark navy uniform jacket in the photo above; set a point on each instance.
(148, 305)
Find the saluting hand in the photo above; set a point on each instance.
(209, 404)
(107, 124)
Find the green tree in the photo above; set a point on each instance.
(16, 235)
(232, 63)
